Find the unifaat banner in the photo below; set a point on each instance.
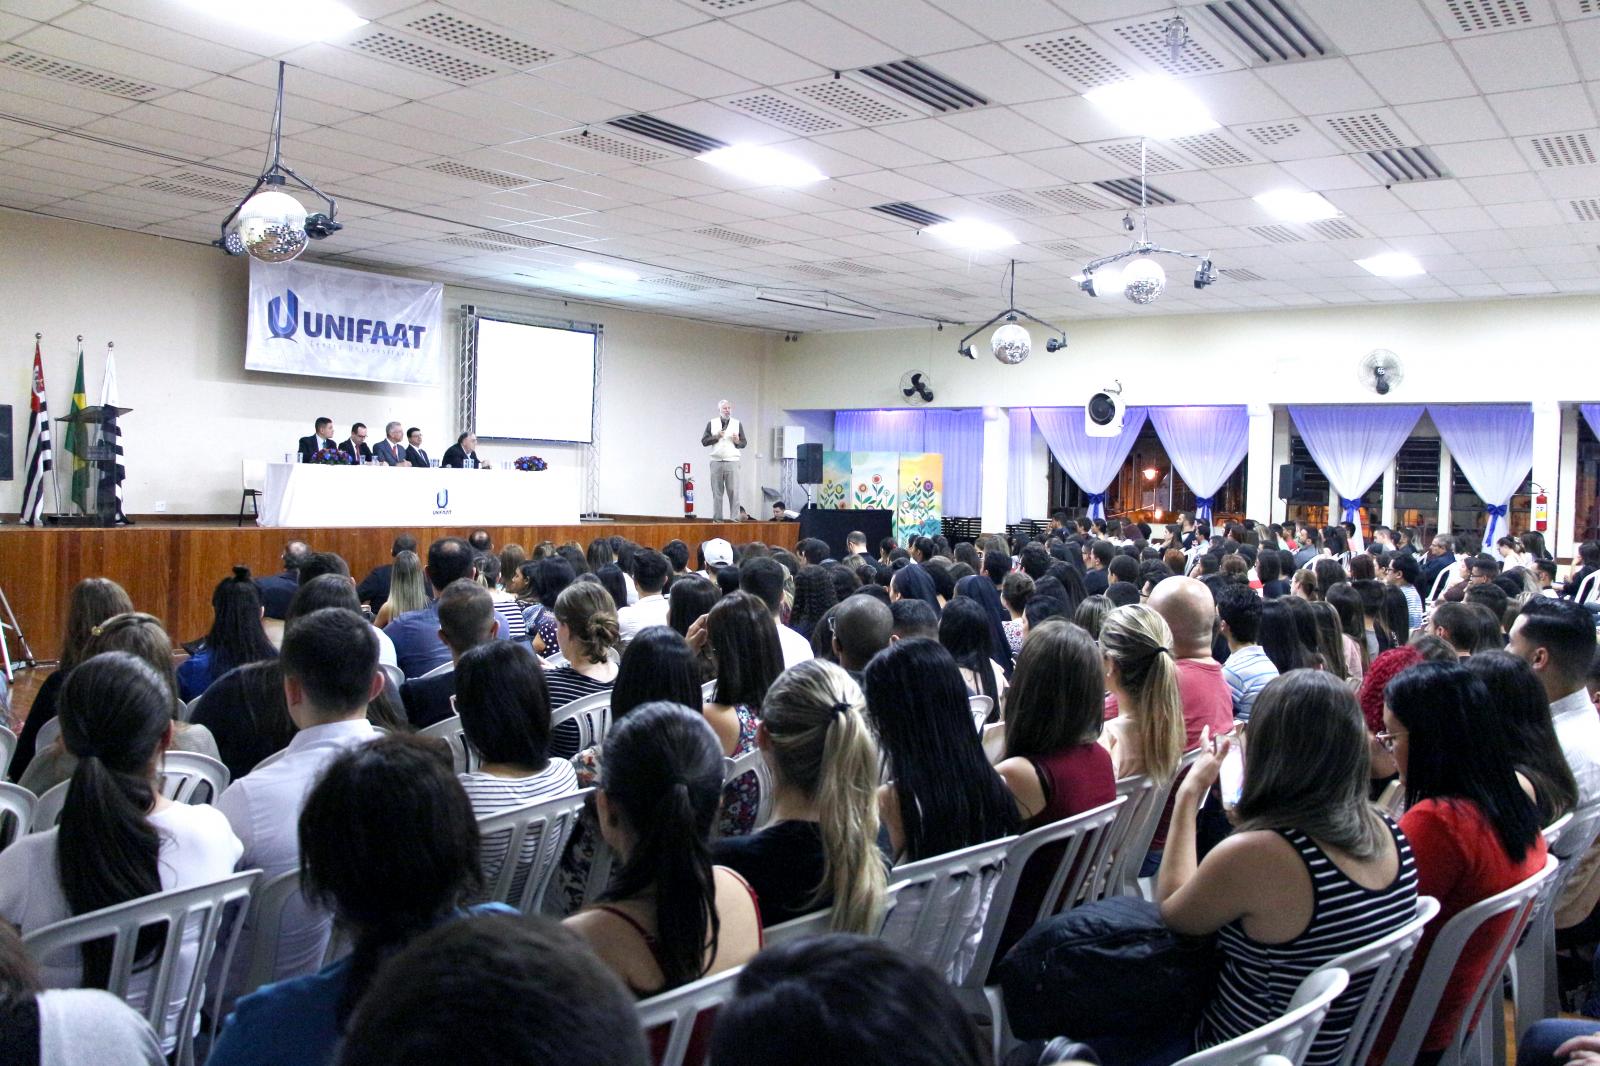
(330, 322)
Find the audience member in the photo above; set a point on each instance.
(1403, 573)
(1385, 668)
(1457, 625)
(586, 633)
(467, 619)
(1147, 734)
(235, 638)
(1096, 557)
(1279, 636)
(743, 638)
(1090, 614)
(861, 627)
(764, 579)
(246, 714)
(964, 632)
(1360, 644)
(505, 604)
(277, 590)
(331, 590)
(651, 570)
(406, 591)
(1015, 591)
(415, 634)
(1186, 605)
(1249, 668)
(914, 619)
(987, 595)
(814, 594)
(542, 582)
(374, 589)
(913, 582)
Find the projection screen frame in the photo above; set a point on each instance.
(467, 369)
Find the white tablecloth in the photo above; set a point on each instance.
(308, 494)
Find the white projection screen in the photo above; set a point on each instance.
(534, 382)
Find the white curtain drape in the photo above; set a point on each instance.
(1019, 453)
(1091, 462)
(1353, 444)
(1205, 444)
(1493, 442)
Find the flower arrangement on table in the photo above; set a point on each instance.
(332, 457)
(531, 462)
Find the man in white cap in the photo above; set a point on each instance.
(725, 437)
(717, 553)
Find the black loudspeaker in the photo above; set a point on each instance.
(808, 464)
(6, 471)
(1291, 483)
(834, 526)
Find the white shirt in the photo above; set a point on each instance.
(82, 1025)
(197, 847)
(1578, 730)
(649, 611)
(263, 807)
(796, 649)
(386, 655)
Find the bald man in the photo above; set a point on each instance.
(862, 627)
(1190, 612)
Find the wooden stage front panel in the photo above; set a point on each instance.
(169, 571)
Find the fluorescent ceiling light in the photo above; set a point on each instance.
(606, 271)
(797, 300)
(1154, 106)
(971, 233)
(764, 166)
(300, 19)
(1290, 206)
(1391, 265)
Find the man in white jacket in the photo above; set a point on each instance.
(725, 437)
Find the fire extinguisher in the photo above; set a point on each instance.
(1541, 511)
(684, 479)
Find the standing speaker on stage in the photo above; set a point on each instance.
(724, 435)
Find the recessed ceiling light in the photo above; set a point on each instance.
(971, 233)
(300, 19)
(762, 165)
(1391, 265)
(1154, 106)
(1290, 206)
(606, 271)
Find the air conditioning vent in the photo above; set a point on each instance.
(1368, 131)
(46, 67)
(1127, 153)
(1128, 189)
(1240, 274)
(599, 142)
(1479, 16)
(1563, 149)
(927, 87)
(1274, 133)
(688, 282)
(189, 177)
(952, 294)
(718, 233)
(463, 34)
(514, 240)
(846, 266)
(1213, 149)
(1149, 40)
(780, 112)
(667, 133)
(466, 172)
(1084, 65)
(468, 242)
(811, 270)
(851, 101)
(1405, 165)
(189, 192)
(911, 213)
(1277, 234)
(1014, 203)
(1067, 249)
(1335, 229)
(1268, 29)
(420, 57)
(1073, 198)
(1587, 209)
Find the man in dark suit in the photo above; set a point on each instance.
(357, 444)
(391, 450)
(1096, 557)
(276, 591)
(322, 438)
(414, 453)
(374, 588)
(466, 619)
(463, 454)
(1441, 556)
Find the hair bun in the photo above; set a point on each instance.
(241, 573)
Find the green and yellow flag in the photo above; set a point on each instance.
(77, 441)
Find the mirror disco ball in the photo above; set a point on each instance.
(272, 227)
(1011, 344)
(1144, 281)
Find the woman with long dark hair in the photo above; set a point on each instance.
(1358, 649)
(743, 640)
(389, 845)
(814, 593)
(688, 601)
(118, 838)
(942, 794)
(984, 591)
(247, 715)
(542, 583)
(1473, 827)
(1531, 745)
(670, 916)
(964, 632)
(913, 582)
(236, 635)
(93, 601)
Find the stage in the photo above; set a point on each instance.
(169, 569)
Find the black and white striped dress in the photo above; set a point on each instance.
(1258, 980)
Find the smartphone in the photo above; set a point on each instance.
(1231, 776)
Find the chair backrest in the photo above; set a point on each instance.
(1147, 800)
(16, 812)
(253, 474)
(1393, 799)
(678, 1011)
(819, 922)
(1517, 904)
(981, 707)
(449, 730)
(1289, 1036)
(392, 675)
(945, 902)
(1552, 832)
(189, 777)
(8, 748)
(1386, 959)
(204, 906)
(591, 714)
(48, 734)
(994, 742)
(1084, 840)
(1577, 836)
(47, 812)
(267, 904)
(535, 836)
(753, 761)
(1586, 588)
(1440, 583)
(709, 689)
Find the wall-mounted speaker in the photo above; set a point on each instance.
(808, 464)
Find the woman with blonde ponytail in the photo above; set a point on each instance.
(1146, 736)
(821, 850)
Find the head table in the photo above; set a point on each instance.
(311, 494)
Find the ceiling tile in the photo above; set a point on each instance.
(656, 62)
(1564, 107)
(1466, 118)
(743, 53)
(816, 35)
(1322, 86)
(1521, 59)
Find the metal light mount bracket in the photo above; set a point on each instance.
(1142, 245)
(1011, 314)
(319, 225)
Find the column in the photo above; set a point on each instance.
(1280, 455)
(1546, 465)
(1389, 508)
(1442, 522)
(996, 461)
(1261, 468)
(1562, 538)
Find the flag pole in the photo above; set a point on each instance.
(55, 468)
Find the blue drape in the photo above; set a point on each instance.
(1205, 445)
(1493, 442)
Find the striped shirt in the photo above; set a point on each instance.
(490, 795)
(1258, 980)
(1413, 605)
(566, 685)
(1247, 672)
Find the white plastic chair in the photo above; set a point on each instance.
(1469, 1044)
(679, 1009)
(19, 803)
(994, 742)
(1147, 799)
(1386, 959)
(462, 753)
(8, 748)
(183, 773)
(47, 811)
(392, 674)
(709, 689)
(1085, 842)
(947, 902)
(1440, 582)
(267, 903)
(753, 761)
(206, 905)
(1289, 1036)
(535, 834)
(1534, 987)
(48, 734)
(818, 923)
(591, 714)
(1393, 800)
(1586, 588)
(981, 707)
